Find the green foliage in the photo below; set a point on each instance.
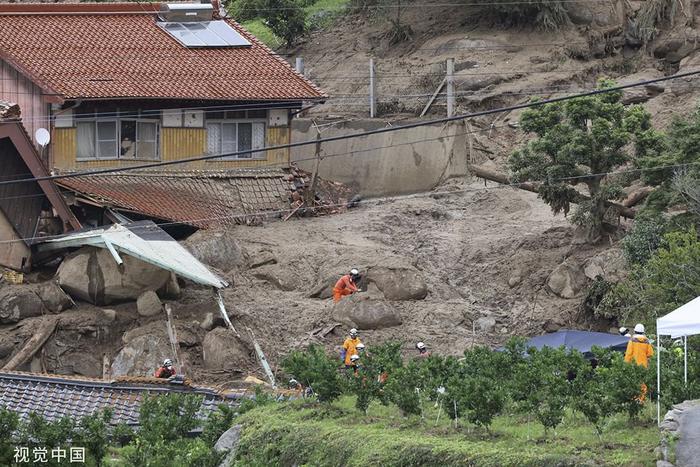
(401, 387)
(546, 388)
(595, 293)
(286, 18)
(669, 279)
(575, 142)
(592, 397)
(165, 422)
(92, 432)
(262, 397)
(644, 239)
(9, 422)
(315, 369)
(674, 389)
(217, 423)
(543, 14)
(624, 384)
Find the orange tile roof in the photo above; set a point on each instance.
(200, 199)
(116, 50)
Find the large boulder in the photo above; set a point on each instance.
(228, 443)
(363, 313)
(610, 265)
(148, 304)
(223, 350)
(144, 349)
(18, 303)
(53, 297)
(276, 277)
(398, 283)
(218, 249)
(567, 280)
(91, 274)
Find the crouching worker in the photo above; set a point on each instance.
(166, 370)
(346, 285)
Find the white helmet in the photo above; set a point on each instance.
(353, 332)
(420, 346)
(360, 347)
(354, 358)
(167, 362)
(354, 272)
(639, 328)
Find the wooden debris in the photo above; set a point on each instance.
(33, 345)
(533, 187)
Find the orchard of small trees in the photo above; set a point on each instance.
(541, 384)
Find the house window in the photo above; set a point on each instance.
(118, 139)
(229, 136)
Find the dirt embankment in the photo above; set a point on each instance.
(456, 270)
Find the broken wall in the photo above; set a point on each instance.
(399, 162)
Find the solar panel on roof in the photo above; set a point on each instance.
(204, 34)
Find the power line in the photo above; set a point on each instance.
(361, 134)
(379, 200)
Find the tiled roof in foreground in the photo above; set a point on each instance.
(55, 396)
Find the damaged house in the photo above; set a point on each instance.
(124, 84)
(28, 211)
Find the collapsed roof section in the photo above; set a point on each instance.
(202, 199)
(145, 241)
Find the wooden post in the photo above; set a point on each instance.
(372, 90)
(314, 177)
(450, 87)
(299, 65)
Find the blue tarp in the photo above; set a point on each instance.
(580, 340)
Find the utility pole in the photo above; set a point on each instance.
(450, 87)
(372, 90)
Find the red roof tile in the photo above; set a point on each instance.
(195, 198)
(116, 50)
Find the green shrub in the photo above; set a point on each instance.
(9, 422)
(315, 369)
(644, 239)
(543, 14)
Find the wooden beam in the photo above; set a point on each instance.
(432, 99)
(33, 345)
(534, 187)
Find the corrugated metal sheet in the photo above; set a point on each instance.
(145, 241)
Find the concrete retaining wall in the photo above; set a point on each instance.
(399, 162)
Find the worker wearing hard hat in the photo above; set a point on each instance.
(624, 332)
(350, 348)
(638, 348)
(422, 350)
(346, 285)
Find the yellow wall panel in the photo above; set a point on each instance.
(175, 144)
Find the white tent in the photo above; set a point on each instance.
(682, 322)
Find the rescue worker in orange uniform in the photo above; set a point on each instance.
(350, 348)
(166, 370)
(346, 285)
(639, 350)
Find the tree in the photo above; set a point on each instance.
(577, 141)
(669, 279)
(9, 422)
(314, 369)
(93, 432)
(286, 18)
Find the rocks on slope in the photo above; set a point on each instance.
(91, 274)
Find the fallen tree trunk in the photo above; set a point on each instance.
(534, 187)
(33, 345)
(637, 196)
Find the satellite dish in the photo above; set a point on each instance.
(42, 137)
